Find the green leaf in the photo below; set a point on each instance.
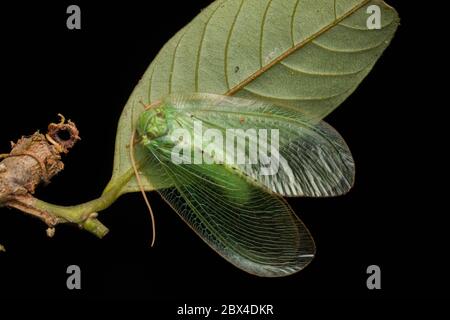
(306, 54)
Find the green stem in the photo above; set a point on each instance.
(82, 214)
(85, 214)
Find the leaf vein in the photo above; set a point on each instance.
(261, 34)
(292, 22)
(202, 39)
(172, 68)
(227, 45)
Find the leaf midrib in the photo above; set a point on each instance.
(290, 51)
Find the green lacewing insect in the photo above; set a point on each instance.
(237, 207)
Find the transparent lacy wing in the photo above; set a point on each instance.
(255, 230)
(313, 159)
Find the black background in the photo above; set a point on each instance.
(391, 218)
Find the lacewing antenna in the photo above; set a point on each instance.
(141, 187)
